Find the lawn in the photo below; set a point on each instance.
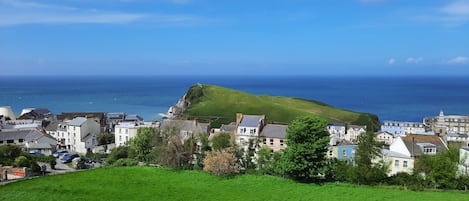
(145, 183)
(215, 101)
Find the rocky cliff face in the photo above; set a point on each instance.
(192, 96)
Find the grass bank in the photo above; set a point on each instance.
(144, 183)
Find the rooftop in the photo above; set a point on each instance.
(78, 121)
(250, 121)
(274, 131)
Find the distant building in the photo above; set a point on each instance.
(273, 136)
(457, 138)
(337, 130)
(78, 135)
(403, 128)
(444, 124)
(386, 137)
(248, 127)
(125, 131)
(353, 132)
(29, 140)
(185, 128)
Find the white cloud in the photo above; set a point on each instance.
(457, 8)
(458, 60)
(19, 12)
(412, 60)
(391, 61)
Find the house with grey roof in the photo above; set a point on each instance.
(398, 162)
(185, 128)
(248, 127)
(78, 135)
(353, 131)
(273, 136)
(336, 130)
(417, 145)
(29, 140)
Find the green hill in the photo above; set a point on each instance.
(145, 183)
(220, 105)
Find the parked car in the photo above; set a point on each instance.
(67, 158)
(36, 153)
(59, 153)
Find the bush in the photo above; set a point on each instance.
(22, 161)
(221, 163)
(118, 153)
(126, 162)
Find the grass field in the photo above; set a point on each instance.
(222, 102)
(144, 183)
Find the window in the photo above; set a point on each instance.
(252, 131)
(344, 153)
(271, 141)
(281, 142)
(404, 164)
(1, 141)
(429, 149)
(396, 163)
(264, 141)
(120, 137)
(330, 153)
(21, 140)
(10, 141)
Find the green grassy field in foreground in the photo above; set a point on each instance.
(215, 101)
(144, 183)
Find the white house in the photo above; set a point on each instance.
(416, 145)
(248, 127)
(353, 132)
(397, 162)
(386, 137)
(124, 131)
(77, 135)
(336, 130)
(464, 158)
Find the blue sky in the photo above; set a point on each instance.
(234, 37)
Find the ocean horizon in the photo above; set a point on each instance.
(400, 98)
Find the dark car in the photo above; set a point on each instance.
(67, 158)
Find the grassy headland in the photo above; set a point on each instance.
(220, 105)
(144, 183)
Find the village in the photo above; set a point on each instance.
(39, 131)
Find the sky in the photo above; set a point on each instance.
(234, 37)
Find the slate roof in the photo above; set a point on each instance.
(187, 125)
(412, 143)
(336, 124)
(133, 117)
(78, 121)
(116, 115)
(461, 135)
(387, 152)
(356, 127)
(250, 121)
(42, 111)
(52, 126)
(26, 135)
(227, 128)
(274, 131)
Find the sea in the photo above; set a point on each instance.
(404, 98)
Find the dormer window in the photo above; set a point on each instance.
(427, 148)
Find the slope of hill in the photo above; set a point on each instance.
(146, 183)
(220, 105)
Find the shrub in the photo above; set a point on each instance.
(221, 163)
(126, 162)
(22, 161)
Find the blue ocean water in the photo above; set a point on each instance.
(391, 98)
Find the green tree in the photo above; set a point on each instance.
(304, 159)
(366, 170)
(105, 138)
(8, 153)
(221, 141)
(440, 170)
(142, 143)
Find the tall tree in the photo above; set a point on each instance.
(105, 138)
(366, 170)
(221, 141)
(304, 158)
(142, 143)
